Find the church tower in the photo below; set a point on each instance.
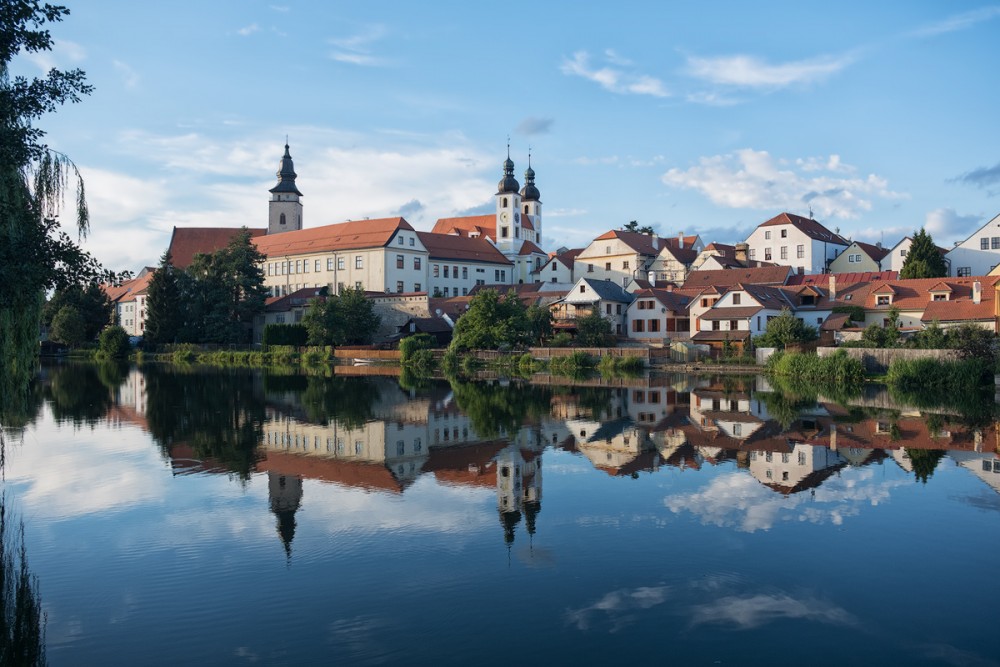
(508, 231)
(531, 206)
(285, 494)
(285, 213)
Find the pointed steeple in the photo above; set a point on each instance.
(529, 192)
(508, 183)
(286, 175)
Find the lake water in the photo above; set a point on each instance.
(238, 518)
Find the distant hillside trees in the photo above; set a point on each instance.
(924, 260)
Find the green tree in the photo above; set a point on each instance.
(974, 342)
(114, 342)
(68, 326)
(164, 308)
(785, 329)
(90, 301)
(924, 260)
(633, 226)
(594, 330)
(492, 322)
(539, 320)
(35, 254)
(348, 318)
(229, 290)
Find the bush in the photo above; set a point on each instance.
(561, 339)
(412, 344)
(295, 335)
(836, 370)
(114, 342)
(315, 356)
(421, 358)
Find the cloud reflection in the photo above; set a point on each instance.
(617, 608)
(754, 611)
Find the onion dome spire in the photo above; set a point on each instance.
(286, 175)
(508, 183)
(529, 192)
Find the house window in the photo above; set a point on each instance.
(964, 271)
(638, 325)
(446, 271)
(465, 273)
(583, 288)
(401, 241)
(340, 288)
(416, 287)
(882, 300)
(358, 285)
(340, 263)
(359, 262)
(784, 233)
(412, 243)
(399, 261)
(984, 243)
(416, 263)
(445, 292)
(399, 286)
(784, 252)
(625, 265)
(767, 236)
(736, 298)
(316, 265)
(734, 325)
(940, 297)
(752, 254)
(465, 291)
(298, 266)
(590, 268)
(902, 253)
(329, 263)
(767, 254)
(995, 243)
(716, 325)
(618, 309)
(435, 270)
(553, 266)
(800, 251)
(607, 266)
(654, 326)
(608, 308)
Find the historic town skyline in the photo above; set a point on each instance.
(875, 118)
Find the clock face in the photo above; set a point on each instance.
(503, 216)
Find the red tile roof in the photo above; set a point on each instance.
(128, 290)
(343, 236)
(761, 275)
(823, 279)
(877, 253)
(484, 225)
(644, 244)
(530, 248)
(186, 242)
(461, 248)
(807, 226)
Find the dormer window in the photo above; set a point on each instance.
(883, 300)
(939, 297)
(808, 300)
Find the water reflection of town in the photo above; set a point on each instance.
(456, 435)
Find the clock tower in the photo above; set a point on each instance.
(509, 234)
(285, 214)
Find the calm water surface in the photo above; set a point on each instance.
(238, 518)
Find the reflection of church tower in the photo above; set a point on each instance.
(285, 213)
(519, 489)
(285, 493)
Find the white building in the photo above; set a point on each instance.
(791, 240)
(979, 254)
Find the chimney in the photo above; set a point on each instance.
(652, 278)
(833, 287)
(977, 291)
(742, 249)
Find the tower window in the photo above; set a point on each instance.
(503, 232)
(526, 209)
(503, 202)
(281, 220)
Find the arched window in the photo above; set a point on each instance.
(281, 220)
(526, 209)
(503, 202)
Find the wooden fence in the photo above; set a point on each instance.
(555, 352)
(361, 353)
(877, 360)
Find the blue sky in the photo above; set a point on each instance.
(708, 117)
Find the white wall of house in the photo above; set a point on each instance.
(648, 320)
(852, 260)
(554, 272)
(788, 246)
(609, 259)
(979, 254)
(894, 260)
(457, 278)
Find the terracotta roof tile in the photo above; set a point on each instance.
(807, 226)
(484, 225)
(186, 242)
(762, 275)
(461, 248)
(343, 236)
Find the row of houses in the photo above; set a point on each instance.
(680, 286)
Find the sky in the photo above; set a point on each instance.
(707, 118)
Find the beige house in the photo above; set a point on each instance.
(861, 257)
(621, 256)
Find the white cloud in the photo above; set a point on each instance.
(946, 225)
(565, 212)
(754, 611)
(618, 608)
(246, 31)
(958, 22)
(712, 99)
(63, 54)
(738, 500)
(754, 179)
(747, 71)
(129, 76)
(356, 49)
(614, 79)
